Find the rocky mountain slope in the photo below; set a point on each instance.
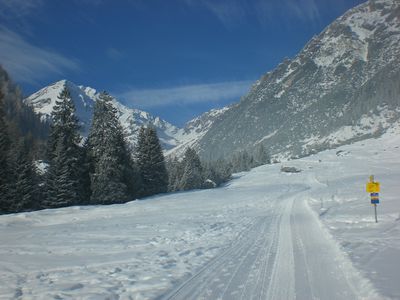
(84, 98)
(342, 87)
(174, 140)
(194, 130)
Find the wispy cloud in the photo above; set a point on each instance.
(235, 12)
(114, 53)
(27, 62)
(18, 8)
(228, 12)
(184, 95)
(306, 10)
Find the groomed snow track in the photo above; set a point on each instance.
(283, 255)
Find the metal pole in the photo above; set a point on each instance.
(376, 215)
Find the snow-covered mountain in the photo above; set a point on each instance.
(174, 140)
(194, 130)
(342, 87)
(84, 98)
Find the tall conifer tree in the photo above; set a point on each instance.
(63, 182)
(192, 177)
(108, 155)
(4, 166)
(151, 162)
(23, 189)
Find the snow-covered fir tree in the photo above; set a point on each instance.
(261, 156)
(242, 161)
(151, 162)
(216, 173)
(85, 166)
(111, 169)
(24, 188)
(192, 177)
(4, 167)
(192, 173)
(175, 171)
(63, 180)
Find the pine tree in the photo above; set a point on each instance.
(211, 175)
(23, 189)
(261, 156)
(151, 162)
(224, 170)
(110, 162)
(4, 166)
(64, 124)
(192, 177)
(85, 165)
(175, 172)
(63, 183)
(242, 161)
(105, 188)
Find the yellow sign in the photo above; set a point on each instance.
(373, 187)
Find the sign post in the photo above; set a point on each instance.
(373, 187)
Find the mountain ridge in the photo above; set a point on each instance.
(84, 98)
(341, 87)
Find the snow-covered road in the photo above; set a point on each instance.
(285, 254)
(265, 235)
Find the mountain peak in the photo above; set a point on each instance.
(341, 87)
(43, 102)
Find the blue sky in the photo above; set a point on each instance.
(173, 58)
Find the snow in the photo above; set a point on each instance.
(368, 124)
(41, 166)
(84, 98)
(193, 131)
(264, 235)
(363, 22)
(268, 136)
(279, 94)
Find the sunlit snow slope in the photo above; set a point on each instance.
(265, 235)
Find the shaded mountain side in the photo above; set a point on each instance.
(343, 86)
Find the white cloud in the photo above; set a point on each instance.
(28, 63)
(232, 12)
(190, 94)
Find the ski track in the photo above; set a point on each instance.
(283, 255)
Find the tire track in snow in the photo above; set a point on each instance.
(264, 260)
(270, 255)
(242, 266)
(196, 285)
(282, 283)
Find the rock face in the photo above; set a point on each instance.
(84, 98)
(342, 87)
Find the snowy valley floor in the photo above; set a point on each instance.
(265, 235)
